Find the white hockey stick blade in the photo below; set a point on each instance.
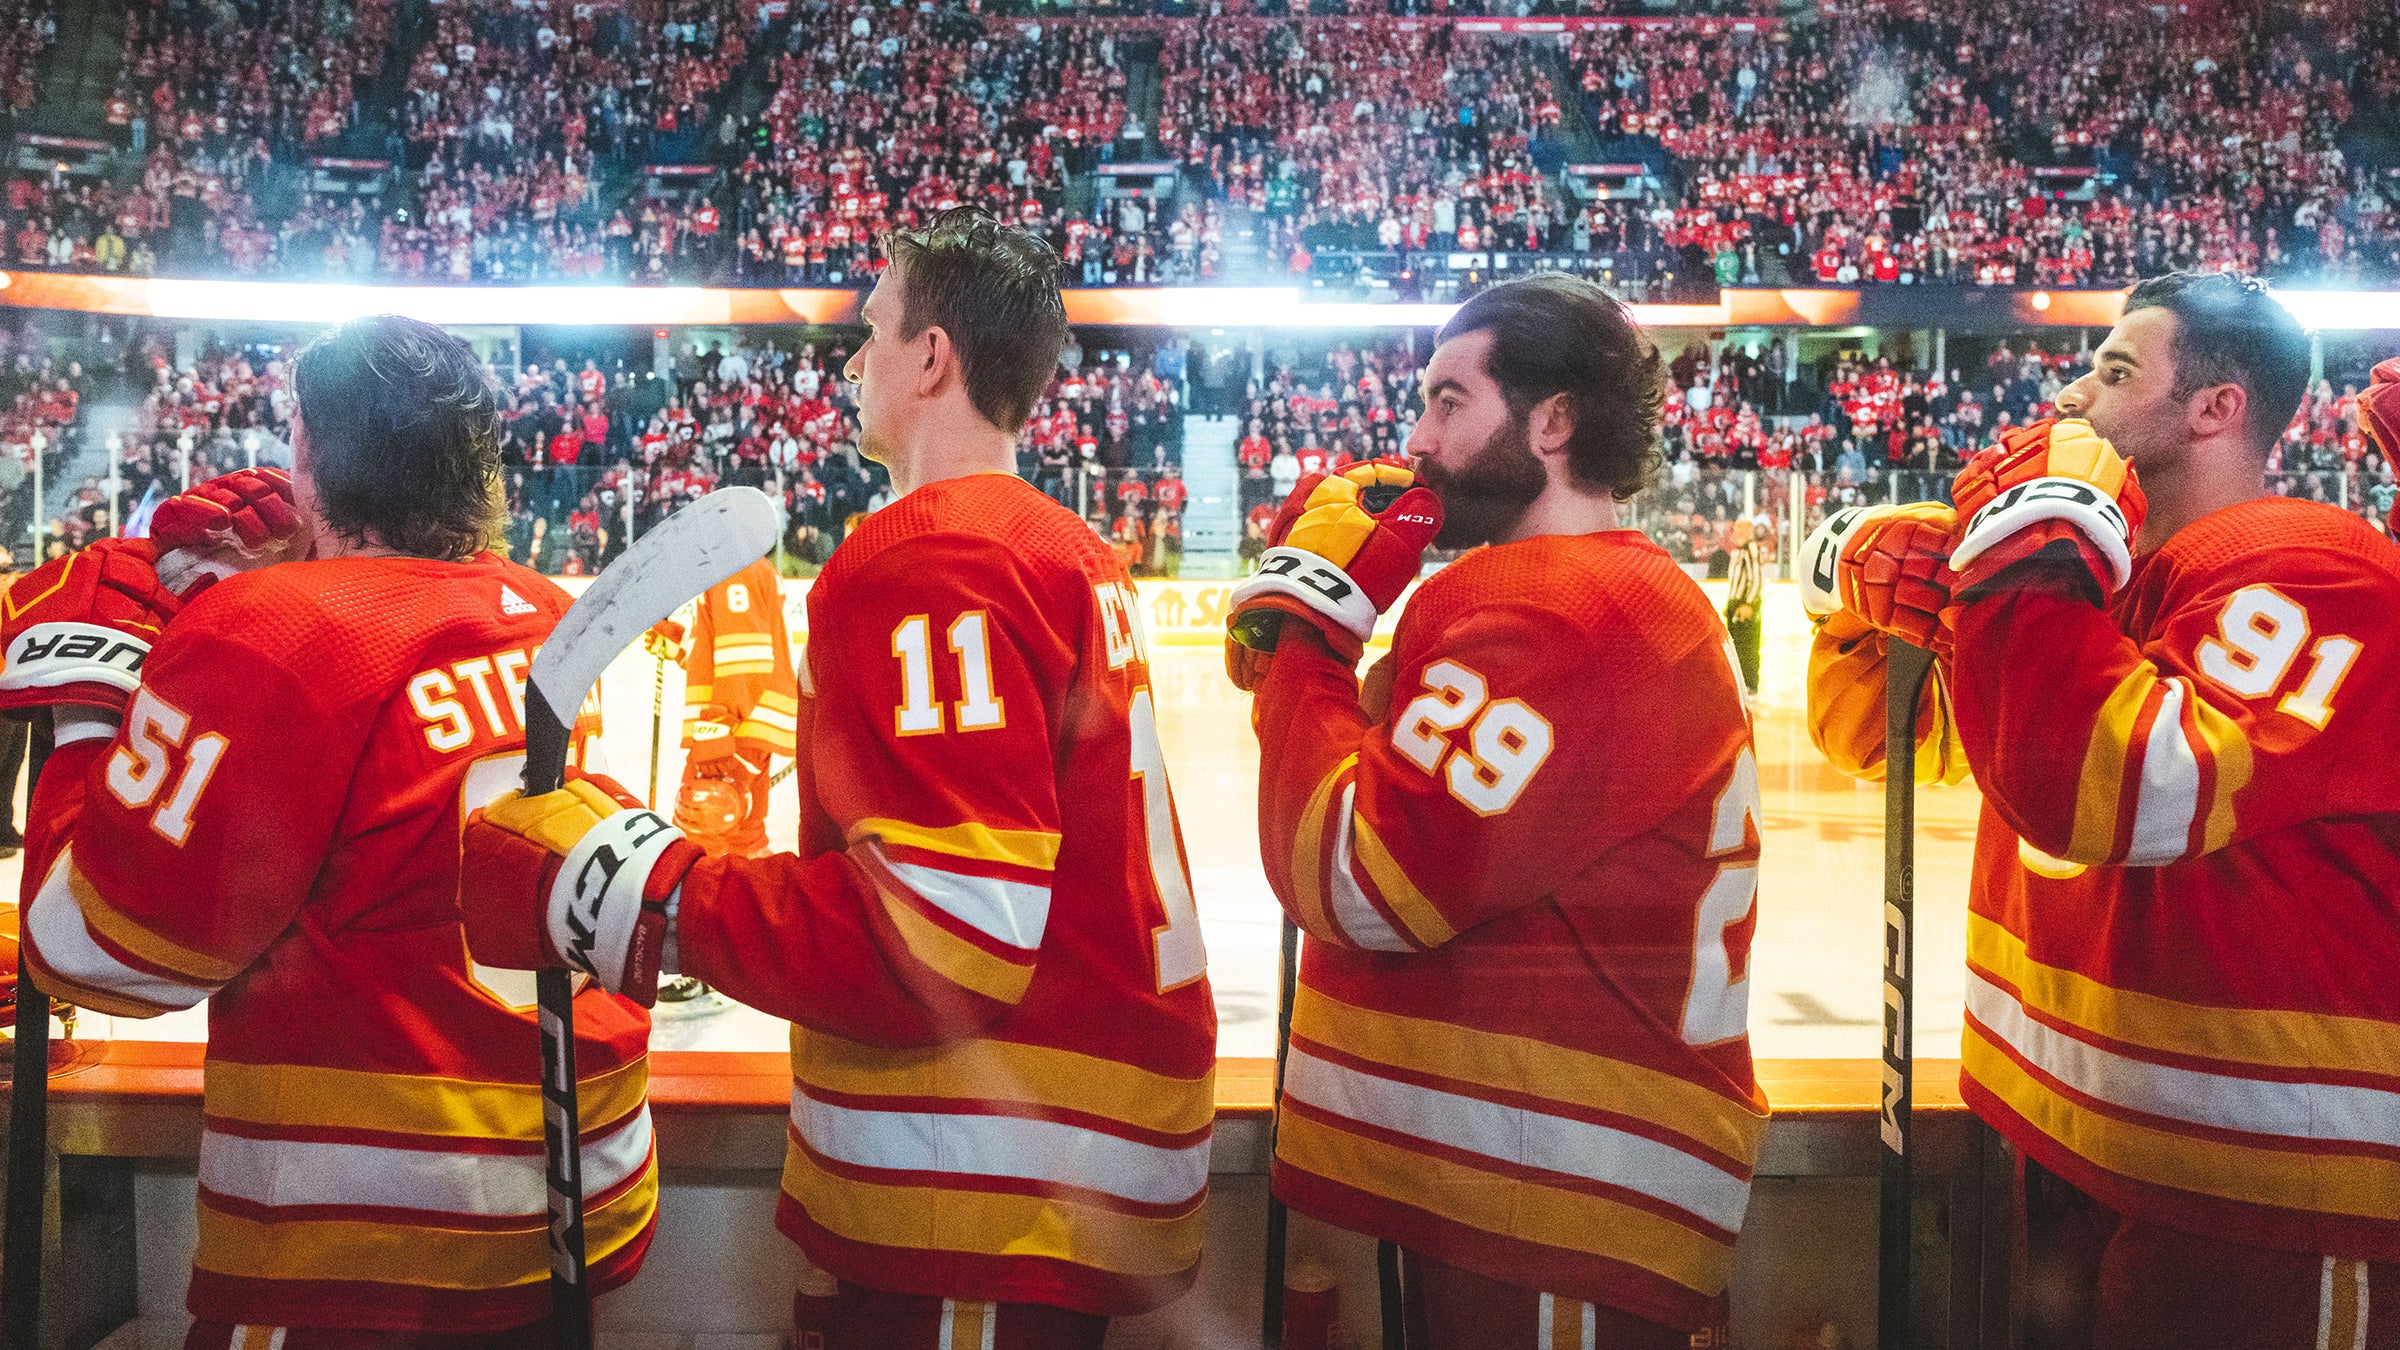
(682, 556)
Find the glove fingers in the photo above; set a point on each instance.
(1414, 519)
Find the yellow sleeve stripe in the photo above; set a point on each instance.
(1308, 856)
(1408, 904)
(1037, 849)
(762, 715)
(697, 695)
(94, 997)
(760, 665)
(954, 958)
(181, 962)
(780, 702)
(2229, 756)
(2099, 792)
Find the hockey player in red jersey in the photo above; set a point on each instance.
(741, 699)
(1525, 858)
(273, 828)
(2181, 699)
(1004, 1045)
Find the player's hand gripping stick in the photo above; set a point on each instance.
(696, 548)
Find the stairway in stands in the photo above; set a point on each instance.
(74, 80)
(1212, 519)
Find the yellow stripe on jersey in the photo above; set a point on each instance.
(1425, 923)
(1533, 1068)
(1004, 1071)
(1509, 1207)
(2325, 1183)
(2100, 790)
(2273, 1038)
(181, 963)
(954, 958)
(2229, 750)
(782, 703)
(1308, 856)
(421, 1253)
(292, 1094)
(1037, 849)
(941, 1218)
(698, 695)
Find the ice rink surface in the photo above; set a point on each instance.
(1815, 975)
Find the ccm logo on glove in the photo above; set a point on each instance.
(596, 903)
(2070, 491)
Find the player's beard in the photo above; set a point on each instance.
(1483, 501)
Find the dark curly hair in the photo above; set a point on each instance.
(994, 290)
(2232, 330)
(403, 437)
(1556, 334)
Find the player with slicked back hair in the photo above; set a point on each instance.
(2180, 696)
(1004, 1045)
(269, 820)
(1525, 854)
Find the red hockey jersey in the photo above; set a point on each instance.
(1521, 1040)
(1005, 1047)
(738, 678)
(2186, 903)
(275, 829)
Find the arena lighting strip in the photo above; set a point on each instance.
(315, 303)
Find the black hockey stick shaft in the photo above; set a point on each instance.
(658, 713)
(1287, 979)
(1387, 1286)
(1905, 669)
(546, 741)
(28, 1120)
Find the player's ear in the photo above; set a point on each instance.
(936, 355)
(2217, 410)
(1551, 424)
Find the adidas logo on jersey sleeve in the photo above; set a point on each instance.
(513, 604)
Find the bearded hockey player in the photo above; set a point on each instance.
(269, 820)
(1526, 862)
(1004, 1045)
(2181, 699)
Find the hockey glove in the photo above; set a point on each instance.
(77, 629)
(1820, 559)
(2053, 490)
(236, 522)
(2379, 416)
(581, 878)
(664, 641)
(1894, 572)
(1340, 552)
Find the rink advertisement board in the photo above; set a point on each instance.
(1174, 612)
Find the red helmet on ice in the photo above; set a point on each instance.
(709, 810)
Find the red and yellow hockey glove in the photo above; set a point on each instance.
(76, 629)
(2379, 415)
(2055, 489)
(1895, 571)
(664, 641)
(580, 878)
(236, 522)
(1340, 552)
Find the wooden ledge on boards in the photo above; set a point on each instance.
(727, 1109)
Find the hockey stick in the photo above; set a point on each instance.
(658, 713)
(681, 557)
(1387, 1285)
(28, 1118)
(1905, 668)
(1287, 979)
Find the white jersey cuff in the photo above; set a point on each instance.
(2072, 500)
(597, 899)
(1314, 581)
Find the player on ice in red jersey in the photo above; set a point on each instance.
(2181, 698)
(1525, 858)
(1004, 1045)
(274, 829)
